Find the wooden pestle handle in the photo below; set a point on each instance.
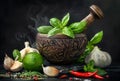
(95, 13)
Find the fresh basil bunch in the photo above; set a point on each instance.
(61, 26)
(89, 47)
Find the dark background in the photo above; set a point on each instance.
(20, 18)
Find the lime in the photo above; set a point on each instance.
(33, 61)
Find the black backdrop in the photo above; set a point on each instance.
(20, 18)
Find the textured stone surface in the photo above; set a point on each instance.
(61, 49)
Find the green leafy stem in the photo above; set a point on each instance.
(90, 45)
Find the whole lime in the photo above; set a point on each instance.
(33, 61)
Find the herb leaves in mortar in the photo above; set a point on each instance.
(62, 27)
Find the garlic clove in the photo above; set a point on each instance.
(8, 62)
(17, 66)
(50, 71)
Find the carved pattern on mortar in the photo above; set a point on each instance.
(63, 50)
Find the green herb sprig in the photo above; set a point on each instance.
(62, 27)
(90, 68)
(31, 74)
(89, 47)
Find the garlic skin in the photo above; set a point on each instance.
(27, 49)
(101, 58)
(8, 62)
(17, 66)
(50, 71)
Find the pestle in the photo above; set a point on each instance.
(95, 13)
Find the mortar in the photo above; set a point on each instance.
(61, 49)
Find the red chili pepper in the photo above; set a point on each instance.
(98, 77)
(82, 74)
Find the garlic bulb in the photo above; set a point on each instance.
(17, 66)
(27, 49)
(101, 58)
(50, 71)
(8, 62)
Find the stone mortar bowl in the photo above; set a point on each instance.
(60, 49)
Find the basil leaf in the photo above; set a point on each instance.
(78, 27)
(55, 22)
(17, 54)
(91, 64)
(54, 31)
(74, 25)
(67, 31)
(65, 19)
(97, 38)
(89, 67)
(101, 71)
(44, 29)
(85, 68)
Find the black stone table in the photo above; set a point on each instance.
(113, 72)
